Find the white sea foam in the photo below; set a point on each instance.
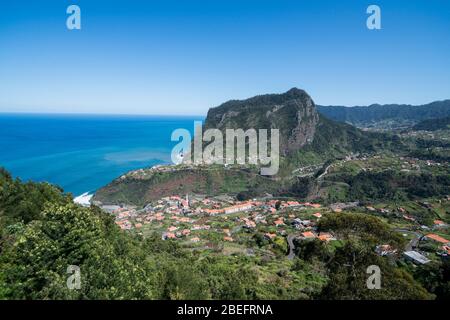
(84, 199)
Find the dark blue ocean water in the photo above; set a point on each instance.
(84, 152)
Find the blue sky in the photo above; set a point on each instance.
(182, 57)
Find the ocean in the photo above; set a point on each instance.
(82, 153)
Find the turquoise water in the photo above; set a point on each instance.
(84, 152)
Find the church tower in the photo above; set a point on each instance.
(187, 200)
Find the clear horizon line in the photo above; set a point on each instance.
(198, 115)
(98, 114)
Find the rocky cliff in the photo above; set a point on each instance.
(293, 113)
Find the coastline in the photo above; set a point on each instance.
(84, 199)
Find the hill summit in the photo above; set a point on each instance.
(306, 138)
(302, 129)
(292, 112)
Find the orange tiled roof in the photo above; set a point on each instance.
(325, 236)
(238, 206)
(437, 238)
(308, 234)
(213, 211)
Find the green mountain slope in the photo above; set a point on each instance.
(398, 114)
(148, 185)
(306, 138)
(305, 135)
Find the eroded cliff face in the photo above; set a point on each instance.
(293, 113)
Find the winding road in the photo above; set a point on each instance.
(290, 240)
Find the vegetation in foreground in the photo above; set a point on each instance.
(43, 231)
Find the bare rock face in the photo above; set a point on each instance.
(293, 113)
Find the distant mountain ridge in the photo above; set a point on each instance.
(363, 116)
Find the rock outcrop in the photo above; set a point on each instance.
(293, 113)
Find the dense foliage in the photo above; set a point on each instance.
(369, 186)
(347, 265)
(40, 241)
(433, 124)
(348, 276)
(375, 113)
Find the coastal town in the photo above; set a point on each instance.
(267, 227)
(186, 218)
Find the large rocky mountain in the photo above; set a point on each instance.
(301, 126)
(306, 138)
(293, 113)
